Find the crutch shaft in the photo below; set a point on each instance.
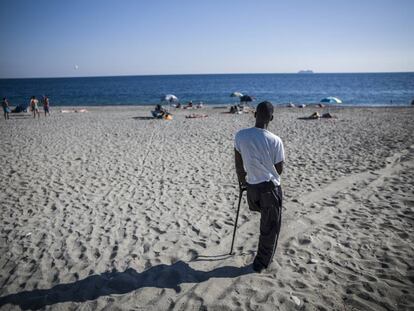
(237, 218)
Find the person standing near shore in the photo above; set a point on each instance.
(46, 105)
(6, 108)
(259, 157)
(34, 106)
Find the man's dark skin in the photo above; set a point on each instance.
(262, 122)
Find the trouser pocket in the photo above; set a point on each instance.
(253, 200)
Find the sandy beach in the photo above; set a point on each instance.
(112, 210)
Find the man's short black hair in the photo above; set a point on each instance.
(264, 111)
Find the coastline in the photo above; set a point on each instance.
(226, 105)
(153, 202)
(351, 88)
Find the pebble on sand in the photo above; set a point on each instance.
(296, 300)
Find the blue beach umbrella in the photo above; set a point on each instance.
(331, 100)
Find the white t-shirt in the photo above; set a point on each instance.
(260, 151)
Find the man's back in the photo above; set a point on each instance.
(260, 150)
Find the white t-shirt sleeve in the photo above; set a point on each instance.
(237, 142)
(279, 152)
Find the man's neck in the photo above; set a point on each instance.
(261, 125)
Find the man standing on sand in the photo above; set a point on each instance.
(46, 105)
(34, 106)
(6, 108)
(259, 157)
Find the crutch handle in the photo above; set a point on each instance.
(242, 187)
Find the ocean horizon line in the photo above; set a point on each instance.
(208, 74)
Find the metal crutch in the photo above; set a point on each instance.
(242, 189)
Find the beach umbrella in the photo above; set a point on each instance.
(331, 100)
(246, 98)
(169, 98)
(236, 94)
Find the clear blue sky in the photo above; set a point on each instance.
(47, 38)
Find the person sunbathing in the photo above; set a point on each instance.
(236, 109)
(327, 115)
(196, 116)
(314, 115)
(158, 112)
(189, 105)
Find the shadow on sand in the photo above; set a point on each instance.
(211, 257)
(144, 118)
(108, 283)
(308, 118)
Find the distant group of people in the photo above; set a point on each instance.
(189, 105)
(33, 105)
(236, 109)
(239, 109)
(317, 115)
(160, 112)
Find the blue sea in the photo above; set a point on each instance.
(354, 89)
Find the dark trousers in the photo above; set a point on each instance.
(266, 198)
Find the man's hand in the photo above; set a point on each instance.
(279, 167)
(242, 186)
(241, 174)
